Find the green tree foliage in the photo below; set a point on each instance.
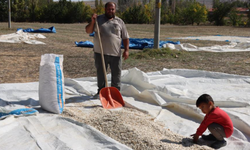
(234, 17)
(137, 14)
(96, 3)
(33, 9)
(175, 12)
(124, 4)
(99, 7)
(65, 12)
(20, 12)
(164, 12)
(194, 12)
(3, 10)
(150, 10)
(46, 11)
(220, 11)
(244, 4)
(172, 11)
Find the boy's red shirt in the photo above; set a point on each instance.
(217, 116)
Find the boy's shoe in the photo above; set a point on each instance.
(209, 137)
(96, 96)
(218, 144)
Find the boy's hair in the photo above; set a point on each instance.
(204, 98)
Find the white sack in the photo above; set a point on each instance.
(51, 83)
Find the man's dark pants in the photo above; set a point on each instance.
(115, 65)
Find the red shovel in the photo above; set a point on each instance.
(110, 96)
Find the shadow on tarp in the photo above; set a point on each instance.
(28, 102)
(169, 141)
(78, 99)
(186, 142)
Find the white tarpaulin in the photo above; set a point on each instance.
(238, 39)
(236, 44)
(22, 37)
(49, 132)
(168, 95)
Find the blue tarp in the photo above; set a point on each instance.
(21, 111)
(84, 44)
(41, 30)
(92, 34)
(134, 43)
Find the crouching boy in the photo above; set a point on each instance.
(216, 120)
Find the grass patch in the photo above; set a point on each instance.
(155, 54)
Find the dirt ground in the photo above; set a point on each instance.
(20, 63)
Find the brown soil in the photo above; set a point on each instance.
(20, 62)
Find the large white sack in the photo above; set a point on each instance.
(51, 83)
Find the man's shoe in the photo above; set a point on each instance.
(218, 144)
(96, 96)
(209, 137)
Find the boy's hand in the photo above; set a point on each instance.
(195, 138)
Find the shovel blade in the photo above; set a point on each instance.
(111, 98)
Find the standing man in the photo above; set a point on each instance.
(112, 31)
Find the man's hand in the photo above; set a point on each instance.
(126, 48)
(195, 138)
(90, 27)
(125, 54)
(94, 16)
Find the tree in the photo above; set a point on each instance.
(96, 3)
(234, 17)
(80, 12)
(137, 14)
(20, 12)
(164, 12)
(124, 4)
(99, 7)
(195, 13)
(220, 11)
(3, 10)
(32, 9)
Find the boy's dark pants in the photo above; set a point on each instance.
(115, 66)
(217, 130)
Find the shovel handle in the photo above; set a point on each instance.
(103, 61)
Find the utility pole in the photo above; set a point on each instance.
(157, 23)
(9, 24)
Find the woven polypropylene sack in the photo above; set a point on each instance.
(51, 83)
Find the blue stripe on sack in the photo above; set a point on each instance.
(59, 85)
